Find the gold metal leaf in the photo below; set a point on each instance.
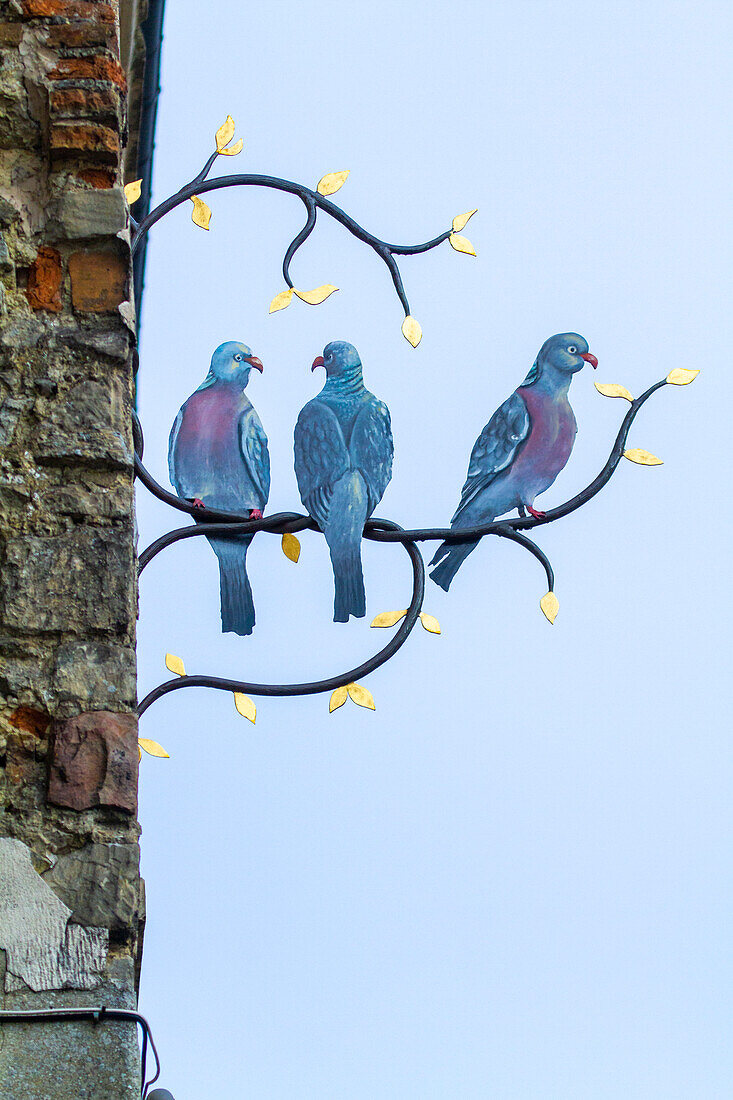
(338, 698)
(245, 706)
(201, 214)
(411, 330)
(233, 149)
(430, 623)
(139, 754)
(550, 606)
(644, 458)
(331, 183)
(315, 297)
(281, 301)
(681, 377)
(225, 133)
(613, 389)
(388, 618)
(291, 546)
(175, 664)
(461, 220)
(361, 696)
(462, 244)
(152, 748)
(132, 191)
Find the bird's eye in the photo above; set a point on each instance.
(572, 349)
(238, 357)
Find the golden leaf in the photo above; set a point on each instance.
(233, 149)
(550, 606)
(338, 698)
(291, 546)
(461, 220)
(411, 330)
(132, 191)
(430, 623)
(201, 214)
(462, 244)
(225, 133)
(245, 706)
(315, 297)
(281, 301)
(331, 183)
(613, 389)
(644, 458)
(681, 377)
(361, 696)
(175, 664)
(139, 754)
(152, 748)
(388, 618)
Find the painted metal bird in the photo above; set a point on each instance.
(218, 458)
(343, 463)
(522, 449)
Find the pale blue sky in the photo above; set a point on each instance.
(512, 880)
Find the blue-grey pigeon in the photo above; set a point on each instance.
(218, 458)
(343, 463)
(521, 450)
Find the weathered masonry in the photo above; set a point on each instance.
(71, 897)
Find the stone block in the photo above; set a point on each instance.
(86, 428)
(100, 885)
(94, 762)
(91, 213)
(94, 674)
(98, 281)
(80, 580)
(44, 280)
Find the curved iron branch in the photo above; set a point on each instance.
(313, 201)
(317, 686)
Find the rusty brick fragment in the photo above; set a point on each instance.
(80, 103)
(44, 280)
(90, 68)
(98, 281)
(95, 142)
(71, 9)
(10, 34)
(80, 35)
(97, 177)
(94, 762)
(30, 720)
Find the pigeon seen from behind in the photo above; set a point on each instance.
(343, 463)
(218, 458)
(522, 449)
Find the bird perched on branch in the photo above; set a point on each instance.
(218, 458)
(521, 450)
(343, 463)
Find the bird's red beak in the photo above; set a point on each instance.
(255, 362)
(318, 362)
(589, 359)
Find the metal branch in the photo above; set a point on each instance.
(312, 199)
(302, 236)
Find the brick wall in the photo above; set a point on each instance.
(71, 908)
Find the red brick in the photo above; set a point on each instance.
(71, 9)
(94, 762)
(44, 280)
(97, 177)
(80, 103)
(98, 281)
(90, 68)
(96, 142)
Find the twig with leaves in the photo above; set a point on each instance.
(313, 200)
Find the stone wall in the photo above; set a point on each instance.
(71, 903)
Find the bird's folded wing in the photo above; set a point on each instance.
(321, 457)
(371, 448)
(172, 472)
(496, 447)
(253, 445)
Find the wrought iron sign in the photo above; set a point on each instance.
(219, 462)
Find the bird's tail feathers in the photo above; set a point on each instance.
(349, 596)
(448, 559)
(237, 605)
